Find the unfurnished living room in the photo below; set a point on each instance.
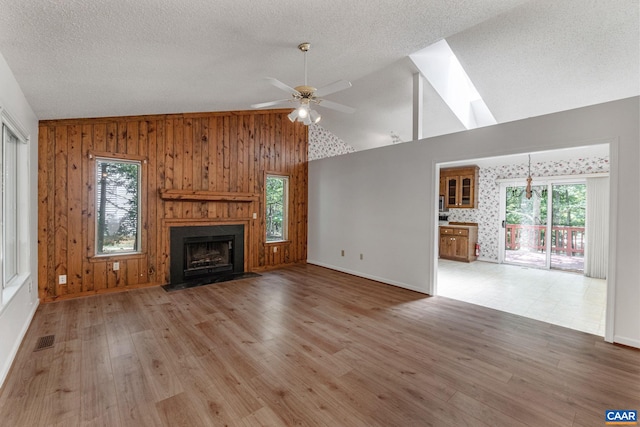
(281, 213)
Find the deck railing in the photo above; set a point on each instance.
(564, 240)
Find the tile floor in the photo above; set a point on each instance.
(561, 298)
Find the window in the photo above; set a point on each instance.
(117, 206)
(277, 196)
(9, 205)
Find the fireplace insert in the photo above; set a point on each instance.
(206, 255)
(200, 253)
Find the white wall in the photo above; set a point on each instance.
(382, 202)
(17, 311)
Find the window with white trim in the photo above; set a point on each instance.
(9, 206)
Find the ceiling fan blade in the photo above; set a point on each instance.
(270, 103)
(335, 106)
(277, 83)
(333, 87)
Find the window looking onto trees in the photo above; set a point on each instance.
(568, 205)
(9, 205)
(117, 206)
(277, 196)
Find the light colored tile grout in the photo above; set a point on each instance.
(560, 298)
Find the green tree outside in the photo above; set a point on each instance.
(117, 206)
(275, 209)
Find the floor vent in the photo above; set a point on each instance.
(45, 342)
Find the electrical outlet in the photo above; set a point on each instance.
(361, 257)
(342, 252)
(116, 266)
(255, 215)
(275, 249)
(62, 279)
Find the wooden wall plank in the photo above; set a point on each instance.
(215, 161)
(204, 147)
(121, 144)
(46, 139)
(132, 137)
(60, 209)
(74, 210)
(153, 177)
(197, 164)
(161, 256)
(187, 165)
(111, 137)
(216, 152)
(146, 190)
(233, 154)
(169, 165)
(226, 165)
(87, 201)
(178, 170)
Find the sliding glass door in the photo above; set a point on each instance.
(526, 226)
(546, 230)
(569, 203)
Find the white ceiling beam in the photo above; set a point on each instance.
(418, 107)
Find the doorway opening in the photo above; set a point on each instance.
(549, 229)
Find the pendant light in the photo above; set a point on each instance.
(529, 179)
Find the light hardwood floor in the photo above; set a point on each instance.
(305, 345)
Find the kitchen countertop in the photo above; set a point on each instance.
(458, 224)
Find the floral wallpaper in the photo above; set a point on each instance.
(488, 211)
(323, 143)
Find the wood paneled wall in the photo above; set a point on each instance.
(218, 155)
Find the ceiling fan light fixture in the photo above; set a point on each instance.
(305, 115)
(314, 116)
(304, 96)
(303, 111)
(293, 116)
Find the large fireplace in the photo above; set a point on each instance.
(202, 253)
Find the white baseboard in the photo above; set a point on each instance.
(17, 343)
(367, 276)
(626, 341)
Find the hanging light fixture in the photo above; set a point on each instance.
(528, 193)
(304, 113)
(306, 96)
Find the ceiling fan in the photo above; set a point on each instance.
(306, 96)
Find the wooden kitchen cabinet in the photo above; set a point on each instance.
(458, 242)
(460, 187)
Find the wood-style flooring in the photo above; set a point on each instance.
(305, 345)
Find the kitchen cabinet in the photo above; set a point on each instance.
(460, 187)
(458, 242)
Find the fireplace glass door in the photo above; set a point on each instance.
(203, 256)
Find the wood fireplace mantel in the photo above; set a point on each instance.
(207, 196)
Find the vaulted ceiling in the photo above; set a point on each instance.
(122, 57)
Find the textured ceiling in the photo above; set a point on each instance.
(116, 57)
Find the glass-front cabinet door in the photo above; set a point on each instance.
(466, 192)
(459, 186)
(452, 192)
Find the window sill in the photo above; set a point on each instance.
(12, 290)
(277, 242)
(116, 257)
